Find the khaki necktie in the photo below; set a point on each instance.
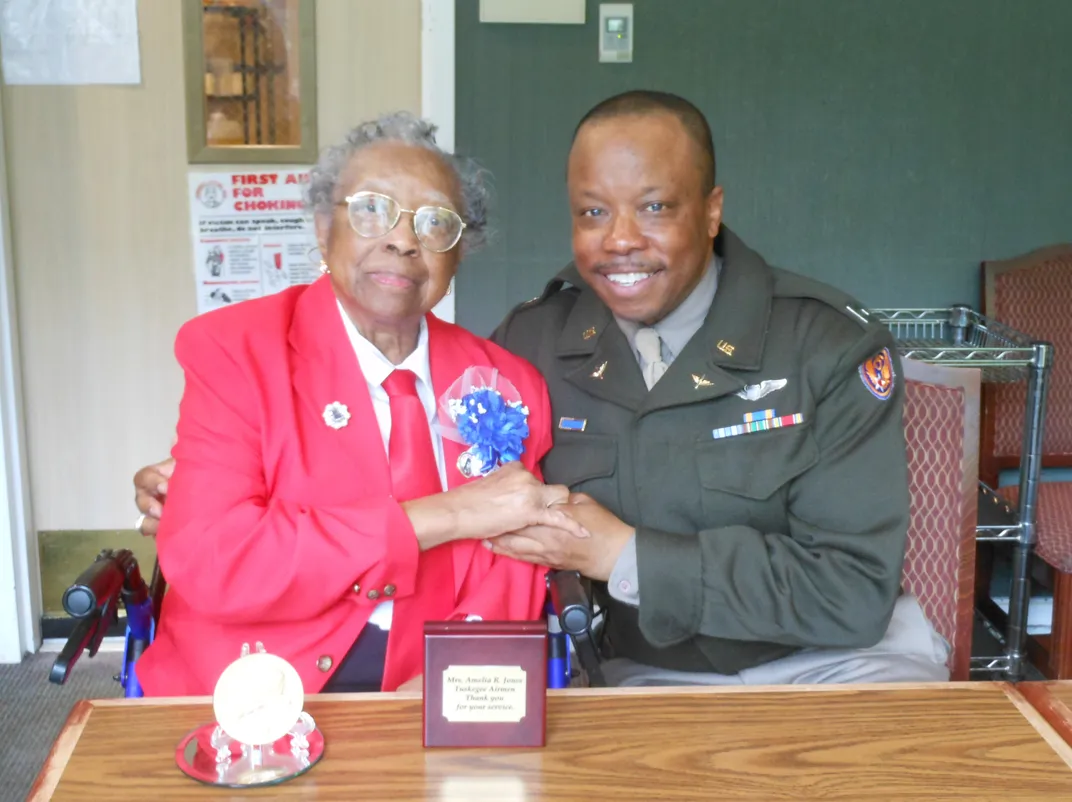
(649, 344)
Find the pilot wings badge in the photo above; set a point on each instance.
(754, 392)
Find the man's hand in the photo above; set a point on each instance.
(593, 556)
(150, 492)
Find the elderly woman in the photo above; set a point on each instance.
(316, 505)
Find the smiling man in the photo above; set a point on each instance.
(733, 432)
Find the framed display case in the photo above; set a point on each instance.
(250, 81)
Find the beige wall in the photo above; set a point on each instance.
(102, 248)
(368, 61)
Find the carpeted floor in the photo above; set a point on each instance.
(32, 712)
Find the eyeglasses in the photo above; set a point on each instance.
(374, 215)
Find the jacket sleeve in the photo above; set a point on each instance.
(234, 552)
(831, 579)
(503, 588)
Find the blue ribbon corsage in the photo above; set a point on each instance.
(484, 411)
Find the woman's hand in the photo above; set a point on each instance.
(507, 500)
(150, 492)
(512, 498)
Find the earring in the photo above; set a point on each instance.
(324, 267)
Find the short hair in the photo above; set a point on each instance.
(644, 102)
(404, 127)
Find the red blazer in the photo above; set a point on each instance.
(277, 526)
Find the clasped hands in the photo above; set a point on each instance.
(577, 533)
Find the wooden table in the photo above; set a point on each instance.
(972, 741)
(1054, 701)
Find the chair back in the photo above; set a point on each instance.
(941, 419)
(1032, 294)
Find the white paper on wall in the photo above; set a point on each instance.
(252, 234)
(70, 41)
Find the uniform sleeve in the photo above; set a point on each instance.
(234, 552)
(832, 579)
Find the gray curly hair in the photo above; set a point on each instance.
(401, 126)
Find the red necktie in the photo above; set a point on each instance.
(414, 474)
(413, 464)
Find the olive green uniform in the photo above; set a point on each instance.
(753, 544)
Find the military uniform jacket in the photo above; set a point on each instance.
(753, 540)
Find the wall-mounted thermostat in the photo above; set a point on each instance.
(616, 32)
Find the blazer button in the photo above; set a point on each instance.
(357, 588)
(325, 663)
(373, 594)
(388, 590)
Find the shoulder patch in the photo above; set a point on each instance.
(877, 375)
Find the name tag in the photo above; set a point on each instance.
(572, 424)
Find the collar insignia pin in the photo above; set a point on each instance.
(598, 372)
(336, 415)
(589, 333)
(701, 381)
(726, 348)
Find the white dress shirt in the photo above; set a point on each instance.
(376, 368)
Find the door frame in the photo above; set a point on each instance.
(437, 90)
(20, 572)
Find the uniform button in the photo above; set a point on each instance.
(325, 663)
(388, 590)
(374, 594)
(357, 588)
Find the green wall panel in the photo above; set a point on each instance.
(885, 147)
